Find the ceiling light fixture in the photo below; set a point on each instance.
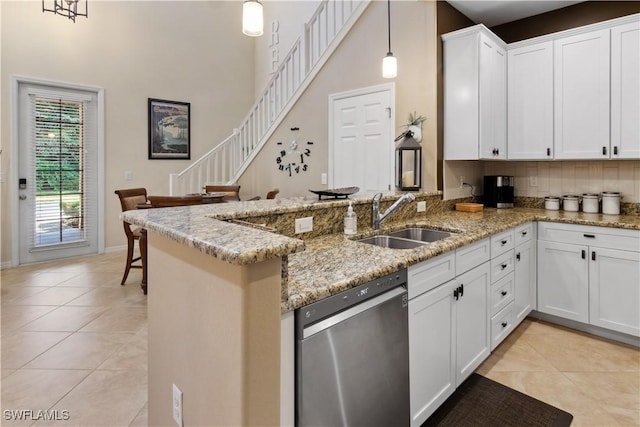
(389, 62)
(252, 22)
(68, 8)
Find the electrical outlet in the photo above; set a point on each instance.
(177, 405)
(323, 178)
(422, 206)
(304, 225)
(462, 181)
(128, 175)
(533, 181)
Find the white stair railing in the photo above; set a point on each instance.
(226, 162)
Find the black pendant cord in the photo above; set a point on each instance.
(389, 22)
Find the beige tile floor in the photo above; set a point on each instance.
(75, 341)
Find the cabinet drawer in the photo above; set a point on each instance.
(500, 243)
(431, 273)
(502, 293)
(501, 266)
(523, 233)
(603, 237)
(501, 325)
(472, 255)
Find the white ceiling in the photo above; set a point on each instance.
(498, 12)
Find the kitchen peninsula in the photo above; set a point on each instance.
(221, 291)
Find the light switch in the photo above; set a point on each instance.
(128, 175)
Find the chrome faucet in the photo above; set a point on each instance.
(377, 217)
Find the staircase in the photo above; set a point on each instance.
(225, 163)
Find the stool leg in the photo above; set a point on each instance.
(129, 260)
(143, 257)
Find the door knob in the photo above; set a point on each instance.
(22, 197)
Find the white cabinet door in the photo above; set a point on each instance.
(563, 280)
(493, 99)
(581, 96)
(525, 280)
(431, 350)
(475, 95)
(530, 102)
(472, 313)
(625, 91)
(614, 290)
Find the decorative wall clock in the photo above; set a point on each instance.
(293, 160)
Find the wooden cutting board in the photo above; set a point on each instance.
(469, 207)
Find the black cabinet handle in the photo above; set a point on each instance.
(504, 242)
(524, 233)
(548, 151)
(518, 256)
(455, 294)
(589, 236)
(584, 254)
(497, 151)
(503, 266)
(615, 150)
(504, 324)
(604, 151)
(461, 290)
(593, 255)
(503, 293)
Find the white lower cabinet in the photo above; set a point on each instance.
(525, 274)
(590, 275)
(448, 335)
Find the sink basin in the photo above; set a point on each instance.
(390, 242)
(420, 234)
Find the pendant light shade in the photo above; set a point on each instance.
(389, 66)
(252, 22)
(389, 62)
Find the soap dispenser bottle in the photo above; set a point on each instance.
(350, 221)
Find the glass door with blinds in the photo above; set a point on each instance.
(58, 180)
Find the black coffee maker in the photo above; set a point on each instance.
(498, 191)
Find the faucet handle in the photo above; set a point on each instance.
(377, 197)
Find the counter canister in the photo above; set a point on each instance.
(590, 203)
(571, 203)
(552, 203)
(611, 202)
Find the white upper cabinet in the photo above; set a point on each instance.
(530, 102)
(581, 98)
(625, 91)
(475, 95)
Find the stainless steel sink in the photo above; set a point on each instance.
(421, 234)
(390, 242)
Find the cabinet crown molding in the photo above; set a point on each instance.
(476, 29)
(575, 31)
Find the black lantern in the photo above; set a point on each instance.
(408, 163)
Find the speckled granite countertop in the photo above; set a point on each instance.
(334, 263)
(330, 264)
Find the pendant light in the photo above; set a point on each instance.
(389, 62)
(66, 8)
(252, 23)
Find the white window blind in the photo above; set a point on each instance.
(63, 174)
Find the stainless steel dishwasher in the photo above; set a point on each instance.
(352, 357)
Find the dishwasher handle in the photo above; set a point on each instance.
(354, 311)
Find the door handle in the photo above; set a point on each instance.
(593, 255)
(518, 256)
(503, 242)
(615, 150)
(461, 290)
(22, 197)
(503, 266)
(584, 254)
(548, 151)
(604, 151)
(503, 293)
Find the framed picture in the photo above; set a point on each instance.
(169, 130)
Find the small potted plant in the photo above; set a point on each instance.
(414, 124)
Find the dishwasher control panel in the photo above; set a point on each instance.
(317, 311)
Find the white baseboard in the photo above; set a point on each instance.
(6, 264)
(115, 249)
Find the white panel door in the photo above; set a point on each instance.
(493, 100)
(362, 146)
(581, 97)
(530, 103)
(625, 91)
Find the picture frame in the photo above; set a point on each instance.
(169, 130)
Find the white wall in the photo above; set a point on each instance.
(190, 51)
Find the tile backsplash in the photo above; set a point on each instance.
(540, 179)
